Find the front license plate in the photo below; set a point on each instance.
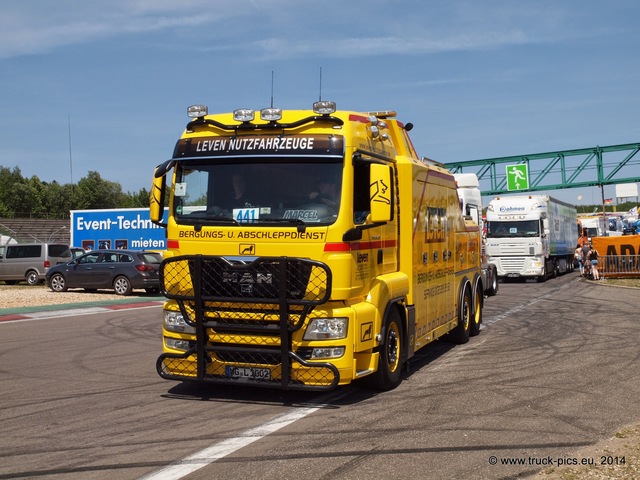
(249, 373)
(513, 274)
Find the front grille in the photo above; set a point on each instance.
(512, 264)
(244, 313)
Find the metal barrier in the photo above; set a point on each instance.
(619, 265)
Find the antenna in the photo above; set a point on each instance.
(320, 95)
(271, 88)
(70, 157)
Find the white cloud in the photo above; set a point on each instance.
(35, 28)
(286, 29)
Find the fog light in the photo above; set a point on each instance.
(330, 352)
(176, 344)
(324, 108)
(243, 115)
(270, 114)
(197, 111)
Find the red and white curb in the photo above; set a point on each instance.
(70, 312)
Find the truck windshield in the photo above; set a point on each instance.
(288, 192)
(513, 228)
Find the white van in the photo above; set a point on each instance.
(30, 261)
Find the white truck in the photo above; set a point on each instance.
(595, 225)
(471, 204)
(531, 236)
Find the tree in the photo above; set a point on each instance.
(58, 200)
(140, 199)
(20, 197)
(8, 180)
(92, 192)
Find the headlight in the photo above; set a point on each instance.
(173, 322)
(326, 328)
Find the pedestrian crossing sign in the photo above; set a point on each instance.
(517, 177)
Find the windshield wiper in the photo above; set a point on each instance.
(199, 222)
(301, 224)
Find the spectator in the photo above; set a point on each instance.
(593, 260)
(578, 256)
(586, 265)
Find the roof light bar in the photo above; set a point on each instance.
(270, 114)
(197, 111)
(244, 115)
(324, 107)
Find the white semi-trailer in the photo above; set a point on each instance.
(471, 204)
(531, 235)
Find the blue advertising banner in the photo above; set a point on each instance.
(124, 228)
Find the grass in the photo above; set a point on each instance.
(624, 282)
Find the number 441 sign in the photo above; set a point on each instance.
(517, 177)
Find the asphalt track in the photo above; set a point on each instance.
(554, 369)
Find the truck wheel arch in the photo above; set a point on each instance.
(387, 376)
(478, 302)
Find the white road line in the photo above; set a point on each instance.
(220, 450)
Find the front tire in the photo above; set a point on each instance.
(543, 278)
(57, 283)
(493, 289)
(389, 373)
(122, 286)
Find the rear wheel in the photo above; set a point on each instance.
(57, 283)
(32, 277)
(122, 286)
(460, 334)
(476, 318)
(388, 375)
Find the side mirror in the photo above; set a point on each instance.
(156, 200)
(380, 193)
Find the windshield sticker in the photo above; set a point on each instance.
(308, 215)
(180, 190)
(244, 215)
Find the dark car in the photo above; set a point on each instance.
(120, 270)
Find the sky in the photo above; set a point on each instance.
(104, 85)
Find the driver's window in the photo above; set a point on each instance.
(192, 191)
(361, 201)
(89, 258)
